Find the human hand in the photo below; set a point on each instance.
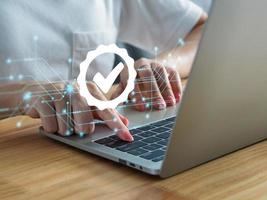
(62, 110)
(156, 86)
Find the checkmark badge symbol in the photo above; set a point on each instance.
(106, 83)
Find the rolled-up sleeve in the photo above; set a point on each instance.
(157, 23)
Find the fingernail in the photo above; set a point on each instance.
(160, 105)
(81, 134)
(126, 136)
(141, 107)
(170, 101)
(178, 97)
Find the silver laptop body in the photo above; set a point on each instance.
(224, 105)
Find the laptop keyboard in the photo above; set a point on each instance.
(149, 143)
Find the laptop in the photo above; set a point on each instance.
(223, 107)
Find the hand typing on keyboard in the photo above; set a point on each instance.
(62, 110)
(156, 86)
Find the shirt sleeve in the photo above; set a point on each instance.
(157, 23)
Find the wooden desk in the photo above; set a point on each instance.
(35, 167)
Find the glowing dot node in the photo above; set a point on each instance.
(68, 132)
(8, 61)
(35, 37)
(147, 116)
(81, 134)
(69, 89)
(133, 93)
(143, 99)
(70, 60)
(20, 77)
(181, 42)
(11, 77)
(115, 130)
(134, 100)
(18, 125)
(27, 96)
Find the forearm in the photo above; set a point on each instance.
(182, 57)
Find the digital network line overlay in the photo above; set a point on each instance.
(54, 94)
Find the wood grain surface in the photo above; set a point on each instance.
(35, 167)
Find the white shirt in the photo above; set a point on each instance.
(204, 4)
(47, 40)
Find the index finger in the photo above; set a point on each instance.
(110, 116)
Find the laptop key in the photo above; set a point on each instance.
(115, 144)
(137, 151)
(163, 142)
(152, 147)
(151, 140)
(146, 128)
(104, 141)
(131, 146)
(169, 125)
(135, 131)
(160, 123)
(152, 155)
(160, 130)
(158, 159)
(114, 137)
(147, 134)
(164, 135)
(137, 138)
(172, 119)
